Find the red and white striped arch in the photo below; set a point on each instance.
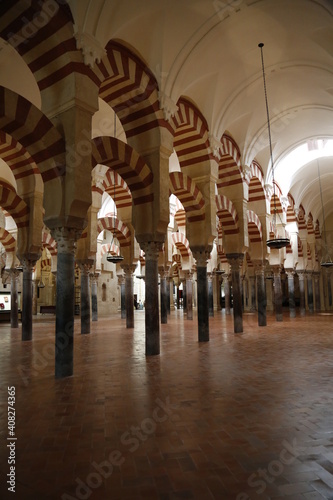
(7, 240)
(191, 141)
(257, 183)
(21, 120)
(184, 188)
(49, 242)
(50, 51)
(254, 227)
(180, 241)
(291, 216)
(14, 205)
(229, 164)
(317, 231)
(127, 163)
(301, 218)
(227, 214)
(299, 247)
(309, 225)
(115, 225)
(117, 188)
(45, 264)
(130, 88)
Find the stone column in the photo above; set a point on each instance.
(210, 295)
(172, 305)
(291, 293)
(28, 266)
(189, 292)
(121, 282)
(94, 296)
(202, 295)
(168, 286)
(14, 278)
(129, 295)
(151, 250)
(184, 295)
(85, 297)
(227, 295)
(310, 291)
(235, 260)
(261, 294)
(164, 295)
(277, 293)
(252, 293)
(317, 291)
(64, 341)
(301, 292)
(34, 297)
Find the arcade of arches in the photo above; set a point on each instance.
(143, 133)
(102, 153)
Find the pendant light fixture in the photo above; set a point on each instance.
(274, 243)
(326, 260)
(114, 258)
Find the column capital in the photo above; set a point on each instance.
(276, 270)
(85, 266)
(235, 260)
(94, 276)
(201, 256)
(301, 275)
(28, 264)
(290, 273)
(14, 273)
(151, 249)
(128, 268)
(66, 238)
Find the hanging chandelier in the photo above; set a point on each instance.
(275, 242)
(110, 257)
(326, 260)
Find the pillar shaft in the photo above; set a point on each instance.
(291, 294)
(85, 298)
(210, 296)
(301, 293)
(27, 299)
(64, 341)
(122, 299)
(278, 294)
(168, 288)
(14, 276)
(189, 290)
(310, 292)
(164, 297)
(151, 250)
(261, 296)
(94, 302)
(203, 311)
(227, 295)
(252, 293)
(235, 261)
(129, 295)
(317, 292)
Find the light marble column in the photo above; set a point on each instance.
(151, 250)
(202, 295)
(235, 260)
(64, 341)
(121, 283)
(172, 305)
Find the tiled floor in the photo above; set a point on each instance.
(241, 417)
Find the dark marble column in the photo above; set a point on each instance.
(121, 282)
(310, 291)
(85, 297)
(64, 341)
(210, 295)
(129, 296)
(329, 288)
(184, 295)
(291, 293)
(178, 298)
(202, 295)
(227, 295)
(317, 291)
(151, 250)
(172, 304)
(278, 293)
(34, 297)
(28, 266)
(235, 260)
(252, 293)
(189, 292)
(301, 292)
(261, 294)
(14, 278)
(94, 296)
(168, 287)
(163, 296)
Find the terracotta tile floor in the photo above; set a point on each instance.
(241, 417)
